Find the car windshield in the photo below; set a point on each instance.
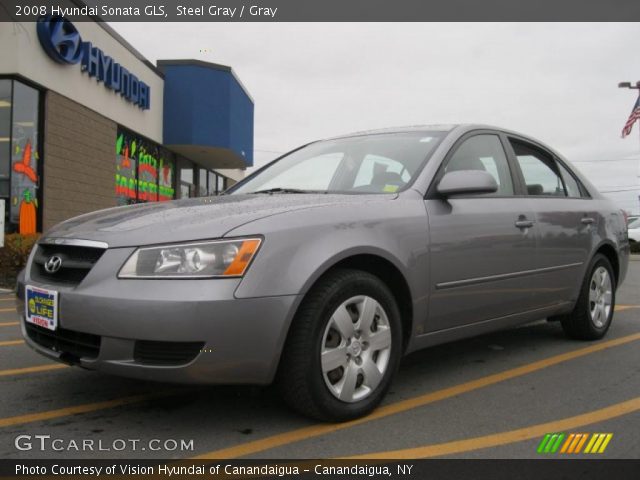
(379, 163)
(635, 223)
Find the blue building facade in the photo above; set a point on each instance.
(207, 113)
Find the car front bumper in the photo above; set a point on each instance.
(238, 340)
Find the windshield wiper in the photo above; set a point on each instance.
(281, 190)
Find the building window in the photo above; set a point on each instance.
(186, 179)
(216, 183)
(202, 183)
(212, 183)
(6, 99)
(19, 155)
(166, 172)
(144, 170)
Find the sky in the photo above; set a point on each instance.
(556, 82)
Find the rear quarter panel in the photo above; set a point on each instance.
(613, 231)
(610, 230)
(612, 227)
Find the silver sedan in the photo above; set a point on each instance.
(322, 269)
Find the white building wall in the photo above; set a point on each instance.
(234, 174)
(22, 54)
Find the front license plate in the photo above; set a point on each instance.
(41, 307)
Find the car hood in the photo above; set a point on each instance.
(190, 219)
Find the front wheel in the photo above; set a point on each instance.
(592, 315)
(343, 347)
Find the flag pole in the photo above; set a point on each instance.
(634, 87)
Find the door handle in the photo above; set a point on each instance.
(524, 223)
(587, 221)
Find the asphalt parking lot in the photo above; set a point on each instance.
(494, 396)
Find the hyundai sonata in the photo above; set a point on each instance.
(322, 269)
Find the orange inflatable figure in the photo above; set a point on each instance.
(27, 214)
(24, 167)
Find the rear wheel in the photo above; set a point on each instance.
(343, 347)
(592, 315)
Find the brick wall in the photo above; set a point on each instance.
(79, 160)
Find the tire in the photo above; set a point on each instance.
(593, 313)
(330, 330)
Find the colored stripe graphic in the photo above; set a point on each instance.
(557, 444)
(598, 443)
(550, 443)
(567, 443)
(544, 442)
(583, 438)
(605, 443)
(591, 442)
(574, 442)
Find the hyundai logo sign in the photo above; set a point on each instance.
(62, 42)
(60, 39)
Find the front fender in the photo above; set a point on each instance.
(300, 246)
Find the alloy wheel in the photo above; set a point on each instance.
(600, 297)
(356, 348)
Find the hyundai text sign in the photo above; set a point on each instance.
(62, 42)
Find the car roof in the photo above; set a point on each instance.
(445, 127)
(405, 129)
(461, 128)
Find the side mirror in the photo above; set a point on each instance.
(463, 182)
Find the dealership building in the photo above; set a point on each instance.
(86, 122)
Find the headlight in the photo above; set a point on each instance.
(220, 258)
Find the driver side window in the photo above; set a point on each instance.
(485, 153)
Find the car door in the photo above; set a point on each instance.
(482, 247)
(565, 216)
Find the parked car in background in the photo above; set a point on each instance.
(634, 230)
(323, 268)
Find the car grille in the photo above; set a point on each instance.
(76, 263)
(82, 345)
(166, 353)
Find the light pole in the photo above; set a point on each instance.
(629, 85)
(632, 87)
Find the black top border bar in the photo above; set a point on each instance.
(322, 10)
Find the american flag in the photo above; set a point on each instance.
(633, 118)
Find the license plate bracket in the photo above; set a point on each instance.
(41, 307)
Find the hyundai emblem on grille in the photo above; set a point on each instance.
(53, 264)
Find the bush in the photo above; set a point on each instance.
(14, 256)
(635, 247)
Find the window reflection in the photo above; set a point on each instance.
(212, 183)
(19, 147)
(5, 138)
(202, 183)
(186, 179)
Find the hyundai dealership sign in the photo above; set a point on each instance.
(62, 42)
